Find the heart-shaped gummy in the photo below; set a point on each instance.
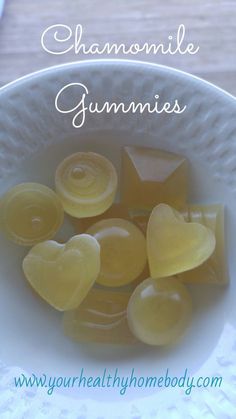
(62, 274)
(174, 245)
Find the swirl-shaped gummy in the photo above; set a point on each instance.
(86, 183)
(30, 213)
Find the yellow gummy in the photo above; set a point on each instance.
(123, 251)
(101, 317)
(159, 311)
(63, 274)
(151, 176)
(86, 183)
(214, 270)
(175, 246)
(117, 210)
(30, 213)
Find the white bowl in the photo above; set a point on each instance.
(34, 137)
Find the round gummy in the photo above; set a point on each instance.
(123, 251)
(159, 311)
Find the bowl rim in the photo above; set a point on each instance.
(122, 62)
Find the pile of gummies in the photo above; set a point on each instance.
(122, 277)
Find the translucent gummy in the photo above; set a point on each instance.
(214, 270)
(123, 251)
(100, 318)
(86, 183)
(159, 311)
(30, 213)
(174, 245)
(151, 176)
(63, 274)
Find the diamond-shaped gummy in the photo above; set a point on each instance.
(152, 176)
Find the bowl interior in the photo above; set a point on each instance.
(32, 336)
